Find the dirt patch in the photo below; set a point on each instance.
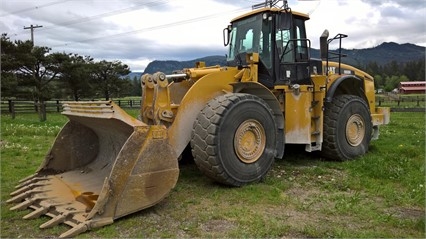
(218, 226)
(407, 213)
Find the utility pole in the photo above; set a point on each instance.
(32, 31)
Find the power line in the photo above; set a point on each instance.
(106, 14)
(34, 8)
(147, 29)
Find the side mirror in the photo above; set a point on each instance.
(226, 34)
(285, 21)
(324, 45)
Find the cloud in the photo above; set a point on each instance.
(139, 31)
(413, 4)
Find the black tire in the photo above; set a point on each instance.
(347, 128)
(228, 159)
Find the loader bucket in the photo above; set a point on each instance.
(104, 164)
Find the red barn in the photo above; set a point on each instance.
(412, 87)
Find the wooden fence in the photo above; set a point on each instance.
(395, 102)
(13, 107)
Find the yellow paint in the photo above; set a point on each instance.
(206, 88)
(298, 115)
(334, 65)
(303, 111)
(197, 73)
(147, 98)
(382, 116)
(379, 115)
(250, 73)
(370, 94)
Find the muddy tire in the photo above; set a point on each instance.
(347, 128)
(233, 139)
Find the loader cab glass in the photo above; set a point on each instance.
(248, 35)
(292, 51)
(291, 42)
(280, 39)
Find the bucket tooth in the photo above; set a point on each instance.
(75, 231)
(20, 191)
(22, 196)
(27, 178)
(23, 205)
(19, 197)
(29, 181)
(55, 221)
(26, 188)
(37, 213)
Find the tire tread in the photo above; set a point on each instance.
(204, 142)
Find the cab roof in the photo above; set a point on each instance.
(268, 9)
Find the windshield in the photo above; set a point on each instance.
(246, 36)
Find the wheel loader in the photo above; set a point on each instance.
(105, 164)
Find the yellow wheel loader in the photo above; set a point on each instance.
(105, 164)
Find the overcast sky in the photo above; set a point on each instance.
(137, 32)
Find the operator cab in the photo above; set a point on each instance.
(279, 36)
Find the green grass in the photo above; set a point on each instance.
(381, 194)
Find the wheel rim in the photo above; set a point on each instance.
(355, 130)
(249, 141)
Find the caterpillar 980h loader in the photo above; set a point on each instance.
(237, 118)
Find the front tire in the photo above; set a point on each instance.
(347, 128)
(233, 139)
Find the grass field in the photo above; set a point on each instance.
(381, 194)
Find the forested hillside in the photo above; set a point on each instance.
(389, 63)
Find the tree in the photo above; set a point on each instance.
(107, 77)
(136, 87)
(378, 81)
(9, 83)
(415, 70)
(373, 68)
(392, 69)
(75, 74)
(28, 66)
(393, 82)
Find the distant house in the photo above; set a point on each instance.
(412, 87)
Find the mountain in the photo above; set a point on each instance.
(169, 66)
(381, 54)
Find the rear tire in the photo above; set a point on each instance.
(347, 128)
(233, 139)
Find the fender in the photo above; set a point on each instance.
(348, 84)
(264, 93)
(203, 90)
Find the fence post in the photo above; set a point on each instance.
(12, 109)
(36, 105)
(57, 106)
(10, 105)
(119, 102)
(418, 101)
(131, 103)
(380, 102)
